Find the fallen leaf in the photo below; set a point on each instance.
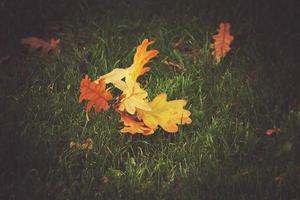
(37, 43)
(279, 180)
(87, 145)
(104, 179)
(222, 41)
(272, 131)
(141, 57)
(133, 95)
(95, 93)
(174, 66)
(133, 125)
(166, 114)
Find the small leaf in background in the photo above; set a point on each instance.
(104, 180)
(222, 42)
(95, 93)
(175, 67)
(37, 43)
(272, 131)
(87, 145)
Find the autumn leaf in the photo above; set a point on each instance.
(87, 145)
(174, 66)
(272, 131)
(133, 95)
(133, 126)
(141, 57)
(37, 43)
(222, 42)
(166, 114)
(95, 93)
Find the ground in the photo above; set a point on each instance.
(224, 154)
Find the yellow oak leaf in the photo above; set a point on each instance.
(166, 114)
(134, 97)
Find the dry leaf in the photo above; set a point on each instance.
(87, 145)
(133, 95)
(133, 125)
(104, 179)
(273, 131)
(37, 43)
(95, 93)
(174, 66)
(166, 114)
(222, 42)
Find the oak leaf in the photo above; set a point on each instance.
(87, 145)
(141, 57)
(95, 94)
(166, 114)
(133, 125)
(133, 95)
(222, 41)
(37, 43)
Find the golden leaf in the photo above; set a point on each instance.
(166, 114)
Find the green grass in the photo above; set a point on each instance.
(223, 154)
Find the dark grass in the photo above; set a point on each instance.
(223, 154)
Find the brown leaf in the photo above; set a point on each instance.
(37, 43)
(87, 145)
(175, 67)
(104, 179)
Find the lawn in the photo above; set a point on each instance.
(224, 153)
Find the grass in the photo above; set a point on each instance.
(223, 154)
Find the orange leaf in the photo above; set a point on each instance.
(133, 126)
(37, 43)
(222, 42)
(95, 93)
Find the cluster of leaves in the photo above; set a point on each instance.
(138, 114)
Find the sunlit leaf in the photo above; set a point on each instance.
(166, 114)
